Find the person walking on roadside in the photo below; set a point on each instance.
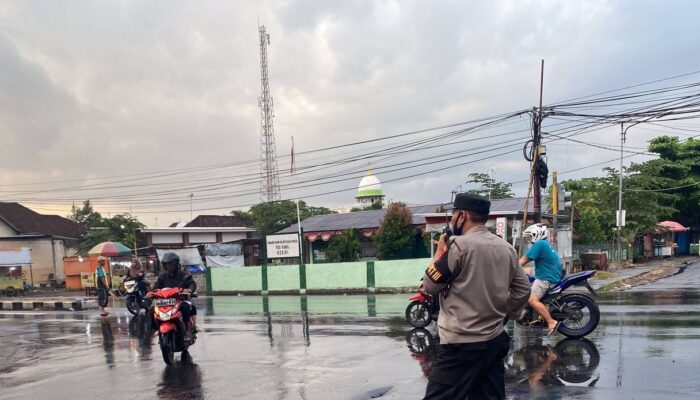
(101, 285)
(479, 283)
(547, 271)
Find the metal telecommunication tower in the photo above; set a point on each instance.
(269, 174)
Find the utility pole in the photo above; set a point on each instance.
(555, 201)
(269, 174)
(537, 136)
(492, 172)
(191, 196)
(623, 134)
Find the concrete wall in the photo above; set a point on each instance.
(246, 279)
(332, 277)
(336, 276)
(283, 278)
(399, 273)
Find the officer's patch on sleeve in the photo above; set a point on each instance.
(438, 272)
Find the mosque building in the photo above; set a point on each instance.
(369, 190)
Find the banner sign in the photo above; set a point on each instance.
(282, 246)
(15, 256)
(502, 227)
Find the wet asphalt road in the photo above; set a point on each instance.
(647, 346)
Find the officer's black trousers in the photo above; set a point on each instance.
(473, 371)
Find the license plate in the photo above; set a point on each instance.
(165, 302)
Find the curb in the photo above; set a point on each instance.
(75, 305)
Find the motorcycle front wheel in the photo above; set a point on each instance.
(132, 306)
(167, 347)
(418, 314)
(582, 315)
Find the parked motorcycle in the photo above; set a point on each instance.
(423, 309)
(135, 296)
(170, 324)
(578, 313)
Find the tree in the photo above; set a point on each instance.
(245, 216)
(677, 174)
(489, 187)
(396, 234)
(120, 228)
(344, 248)
(377, 205)
(86, 215)
(597, 202)
(272, 217)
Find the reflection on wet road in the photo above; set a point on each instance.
(348, 347)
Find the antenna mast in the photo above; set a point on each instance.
(269, 174)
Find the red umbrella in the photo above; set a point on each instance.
(672, 226)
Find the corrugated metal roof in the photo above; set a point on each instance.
(355, 220)
(373, 218)
(514, 205)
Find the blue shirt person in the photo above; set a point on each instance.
(547, 263)
(547, 271)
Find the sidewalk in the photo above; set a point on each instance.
(640, 274)
(47, 304)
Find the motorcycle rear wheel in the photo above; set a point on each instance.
(578, 360)
(583, 308)
(167, 347)
(418, 314)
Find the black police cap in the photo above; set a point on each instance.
(472, 202)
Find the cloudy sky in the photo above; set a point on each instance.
(138, 104)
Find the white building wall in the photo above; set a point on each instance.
(202, 237)
(233, 237)
(6, 231)
(167, 238)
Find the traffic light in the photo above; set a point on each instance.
(564, 199)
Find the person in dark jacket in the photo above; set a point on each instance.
(175, 277)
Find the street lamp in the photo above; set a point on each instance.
(623, 138)
(136, 251)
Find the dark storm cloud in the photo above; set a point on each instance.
(175, 84)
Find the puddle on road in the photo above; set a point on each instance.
(364, 348)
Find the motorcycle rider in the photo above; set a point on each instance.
(136, 273)
(547, 271)
(175, 277)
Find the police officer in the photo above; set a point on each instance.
(479, 282)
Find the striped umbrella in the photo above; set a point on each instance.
(110, 249)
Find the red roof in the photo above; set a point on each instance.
(673, 226)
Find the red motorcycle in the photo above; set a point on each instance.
(423, 309)
(170, 324)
